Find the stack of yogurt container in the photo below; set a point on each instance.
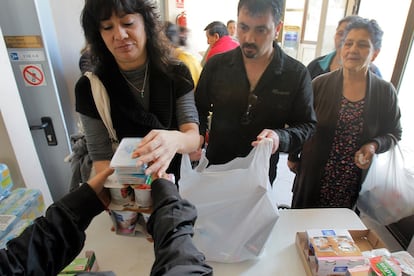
(130, 190)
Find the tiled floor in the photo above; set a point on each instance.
(283, 186)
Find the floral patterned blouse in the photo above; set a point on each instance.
(341, 181)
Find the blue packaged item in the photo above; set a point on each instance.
(14, 196)
(6, 224)
(126, 170)
(29, 205)
(6, 182)
(18, 228)
(122, 160)
(21, 204)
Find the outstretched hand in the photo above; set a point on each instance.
(97, 184)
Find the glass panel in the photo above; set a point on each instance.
(295, 4)
(336, 11)
(292, 26)
(406, 101)
(312, 21)
(393, 28)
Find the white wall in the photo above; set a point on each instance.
(66, 15)
(392, 30)
(8, 157)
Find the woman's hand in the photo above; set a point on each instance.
(293, 166)
(363, 156)
(158, 147)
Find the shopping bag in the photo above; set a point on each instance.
(387, 193)
(236, 212)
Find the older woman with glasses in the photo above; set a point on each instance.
(358, 116)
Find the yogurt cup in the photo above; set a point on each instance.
(122, 195)
(143, 196)
(125, 221)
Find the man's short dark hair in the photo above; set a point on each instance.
(217, 27)
(256, 7)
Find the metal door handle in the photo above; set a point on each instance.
(42, 126)
(47, 126)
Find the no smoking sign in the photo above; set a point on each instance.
(33, 75)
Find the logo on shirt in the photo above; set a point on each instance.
(280, 93)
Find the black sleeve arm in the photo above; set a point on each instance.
(171, 226)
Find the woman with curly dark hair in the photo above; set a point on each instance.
(150, 94)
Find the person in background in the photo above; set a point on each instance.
(53, 241)
(232, 28)
(173, 34)
(151, 95)
(218, 39)
(255, 91)
(85, 62)
(358, 116)
(183, 36)
(332, 61)
(185, 42)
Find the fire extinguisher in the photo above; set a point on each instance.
(181, 19)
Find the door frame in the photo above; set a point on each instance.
(17, 128)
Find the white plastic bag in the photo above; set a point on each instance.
(387, 193)
(236, 212)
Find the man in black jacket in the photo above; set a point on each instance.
(255, 91)
(53, 241)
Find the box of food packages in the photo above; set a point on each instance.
(126, 170)
(6, 182)
(336, 250)
(29, 204)
(16, 229)
(6, 225)
(21, 204)
(406, 262)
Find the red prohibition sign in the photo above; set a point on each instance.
(33, 75)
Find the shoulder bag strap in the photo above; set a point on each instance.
(102, 103)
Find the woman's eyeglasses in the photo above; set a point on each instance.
(246, 118)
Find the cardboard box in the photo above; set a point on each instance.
(365, 239)
(361, 270)
(333, 244)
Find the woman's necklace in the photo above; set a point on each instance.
(140, 91)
